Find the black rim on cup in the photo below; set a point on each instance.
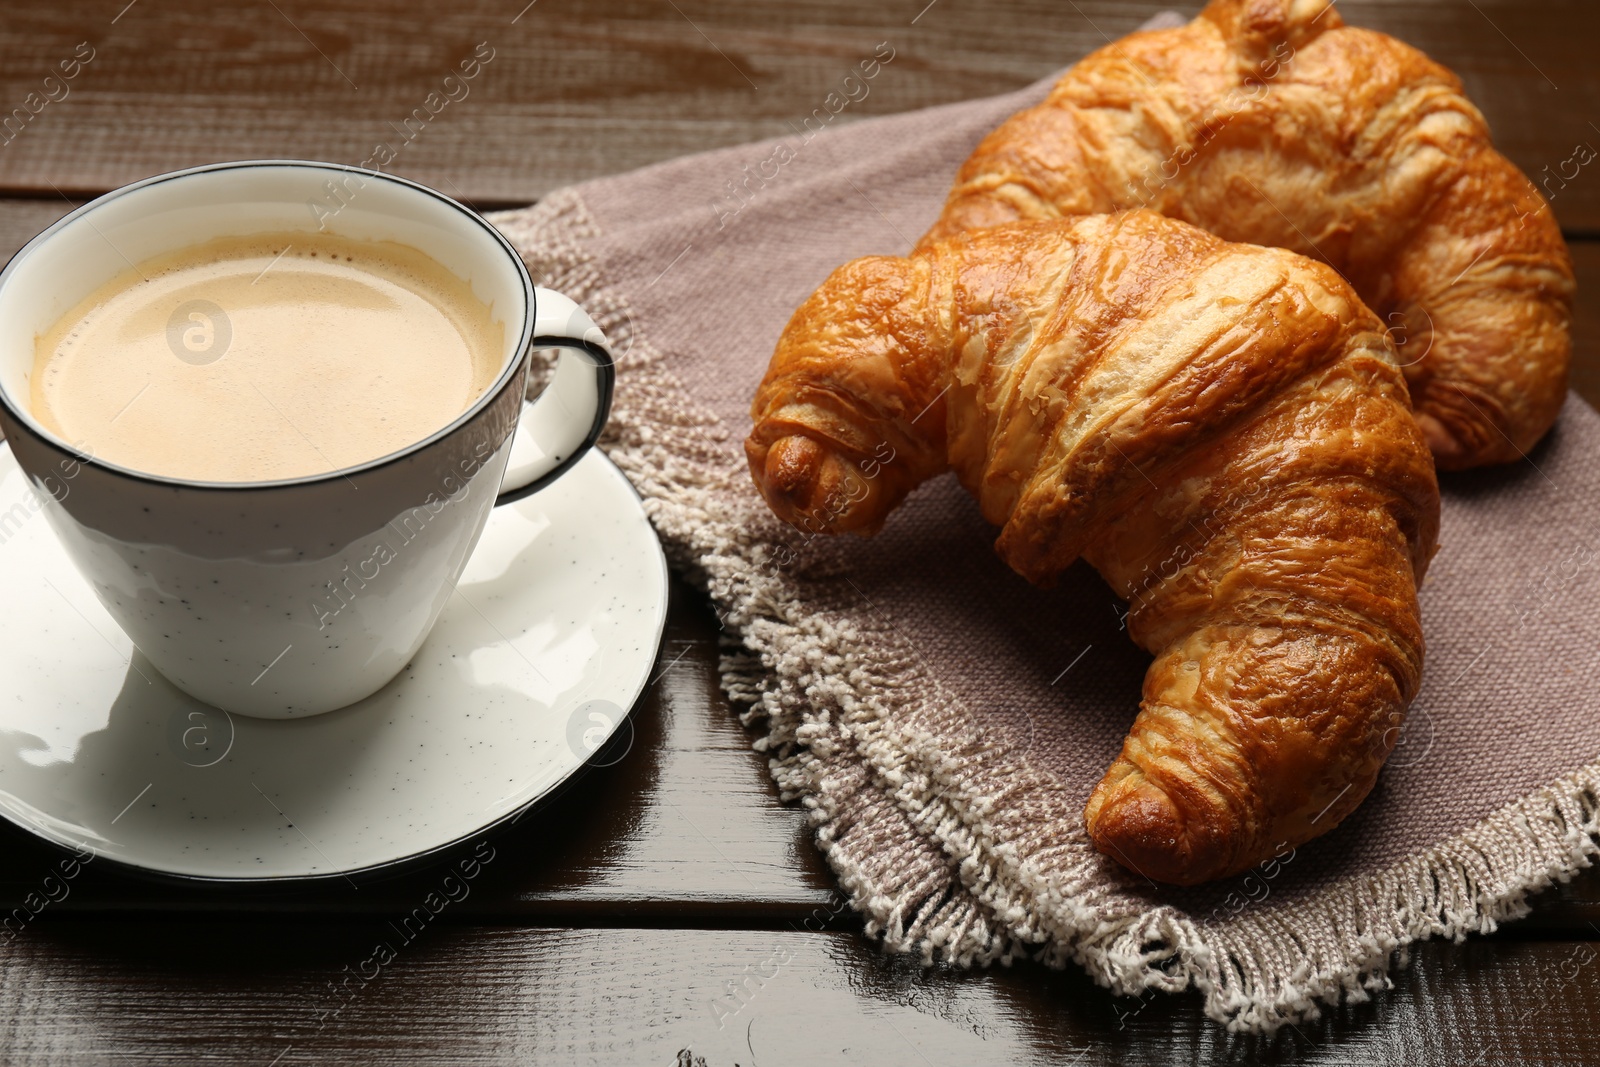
(526, 344)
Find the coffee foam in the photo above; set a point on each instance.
(272, 356)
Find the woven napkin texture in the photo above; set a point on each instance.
(943, 721)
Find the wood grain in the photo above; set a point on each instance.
(579, 88)
(294, 993)
(20, 220)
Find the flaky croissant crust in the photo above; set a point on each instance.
(1221, 430)
(1270, 121)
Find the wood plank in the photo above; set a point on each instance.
(684, 822)
(578, 90)
(20, 220)
(174, 991)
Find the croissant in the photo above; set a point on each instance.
(1271, 122)
(1221, 430)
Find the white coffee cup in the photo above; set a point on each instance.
(292, 598)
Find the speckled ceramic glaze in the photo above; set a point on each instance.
(293, 598)
(549, 636)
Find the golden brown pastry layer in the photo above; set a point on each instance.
(1222, 430)
(1270, 121)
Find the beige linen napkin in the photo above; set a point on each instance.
(944, 722)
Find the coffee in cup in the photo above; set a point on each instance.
(266, 357)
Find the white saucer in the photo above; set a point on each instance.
(548, 640)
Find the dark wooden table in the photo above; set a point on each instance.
(668, 909)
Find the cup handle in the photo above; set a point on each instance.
(563, 422)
